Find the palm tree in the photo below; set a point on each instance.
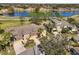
(39, 32)
(49, 26)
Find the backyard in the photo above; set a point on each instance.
(6, 45)
(10, 23)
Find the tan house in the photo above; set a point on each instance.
(30, 9)
(4, 10)
(19, 9)
(45, 9)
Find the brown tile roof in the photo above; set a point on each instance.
(18, 32)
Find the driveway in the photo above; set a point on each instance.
(37, 42)
(18, 47)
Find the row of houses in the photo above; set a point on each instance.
(67, 9)
(11, 9)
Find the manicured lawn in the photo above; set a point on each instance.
(40, 14)
(10, 23)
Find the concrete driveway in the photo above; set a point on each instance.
(18, 47)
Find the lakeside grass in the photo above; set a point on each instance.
(7, 21)
(76, 17)
(11, 23)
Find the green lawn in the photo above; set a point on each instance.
(8, 51)
(40, 14)
(10, 23)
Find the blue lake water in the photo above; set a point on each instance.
(66, 14)
(26, 14)
(21, 14)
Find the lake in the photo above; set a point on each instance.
(26, 14)
(23, 14)
(65, 14)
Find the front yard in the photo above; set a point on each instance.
(8, 51)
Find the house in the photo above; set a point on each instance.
(44, 9)
(18, 9)
(4, 12)
(30, 9)
(21, 31)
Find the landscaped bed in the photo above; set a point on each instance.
(29, 44)
(6, 45)
(8, 51)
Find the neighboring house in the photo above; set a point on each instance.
(68, 9)
(5, 12)
(18, 9)
(74, 9)
(30, 9)
(44, 9)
